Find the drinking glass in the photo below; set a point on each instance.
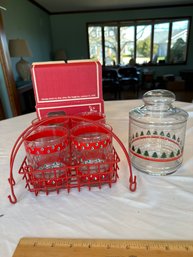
(92, 150)
(48, 155)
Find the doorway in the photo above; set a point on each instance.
(7, 75)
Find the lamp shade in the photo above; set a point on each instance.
(19, 48)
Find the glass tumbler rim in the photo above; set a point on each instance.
(47, 132)
(92, 115)
(54, 122)
(90, 136)
(77, 130)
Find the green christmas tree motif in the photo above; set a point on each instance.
(178, 152)
(136, 135)
(168, 134)
(139, 151)
(146, 153)
(133, 148)
(142, 134)
(174, 137)
(171, 154)
(148, 132)
(163, 155)
(155, 132)
(155, 155)
(162, 133)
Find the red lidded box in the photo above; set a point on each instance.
(71, 87)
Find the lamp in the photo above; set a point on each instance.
(20, 48)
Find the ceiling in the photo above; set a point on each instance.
(66, 6)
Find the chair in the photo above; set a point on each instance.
(110, 83)
(129, 80)
(148, 81)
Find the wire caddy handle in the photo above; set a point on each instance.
(70, 176)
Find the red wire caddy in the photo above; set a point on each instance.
(70, 176)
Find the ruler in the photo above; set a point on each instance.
(52, 247)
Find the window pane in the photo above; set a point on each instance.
(143, 52)
(179, 41)
(95, 43)
(126, 44)
(160, 44)
(169, 45)
(110, 34)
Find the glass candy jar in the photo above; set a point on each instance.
(157, 134)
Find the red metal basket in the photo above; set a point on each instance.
(71, 176)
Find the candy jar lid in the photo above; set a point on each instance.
(158, 108)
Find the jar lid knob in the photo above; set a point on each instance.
(159, 96)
